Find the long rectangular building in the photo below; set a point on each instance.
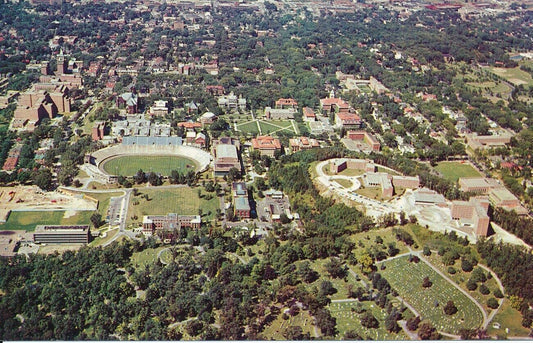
(167, 225)
(55, 234)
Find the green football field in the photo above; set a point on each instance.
(129, 165)
(454, 170)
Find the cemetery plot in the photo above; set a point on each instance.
(348, 319)
(461, 278)
(407, 278)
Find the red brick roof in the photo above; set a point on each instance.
(266, 142)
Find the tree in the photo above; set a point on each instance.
(478, 275)
(367, 263)
(352, 335)
(427, 251)
(42, 178)
(194, 327)
(466, 265)
(369, 321)
(412, 323)
(498, 293)
(336, 268)
(139, 177)
(450, 308)
(293, 333)
(471, 285)
(426, 283)
(154, 179)
(427, 332)
(284, 219)
(391, 324)
(493, 303)
(326, 288)
(233, 174)
(307, 274)
(467, 334)
(96, 219)
(484, 289)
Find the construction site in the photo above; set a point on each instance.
(31, 198)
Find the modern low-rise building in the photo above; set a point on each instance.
(472, 213)
(477, 184)
(56, 234)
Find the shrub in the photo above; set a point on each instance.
(426, 282)
(452, 270)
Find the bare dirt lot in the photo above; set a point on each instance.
(32, 198)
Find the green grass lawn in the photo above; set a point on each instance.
(515, 76)
(407, 278)
(182, 200)
(27, 220)
(372, 193)
(250, 127)
(509, 318)
(367, 240)
(501, 87)
(454, 170)
(350, 320)
(343, 182)
(340, 284)
(146, 257)
(129, 165)
(276, 125)
(267, 127)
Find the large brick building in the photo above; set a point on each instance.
(302, 143)
(472, 213)
(241, 205)
(339, 165)
(167, 226)
(266, 145)
(226, 155)
(32, 108)
(367, 138)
